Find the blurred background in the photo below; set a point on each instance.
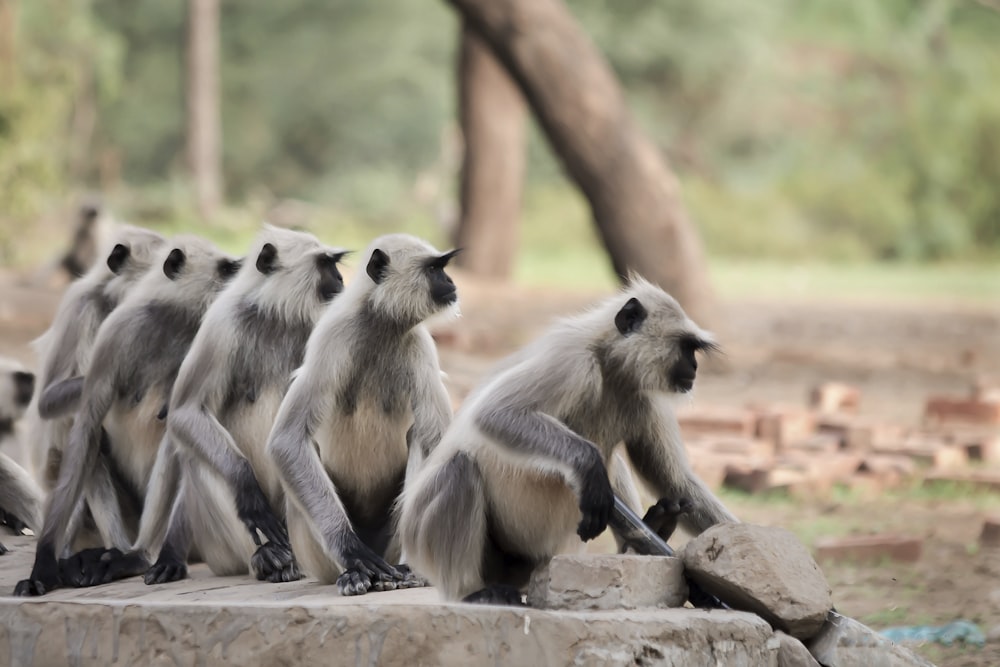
(817, 133)
(817, 180)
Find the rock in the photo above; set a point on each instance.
(580, 582)
(793, 653)
(835, 397)
(844, 642)
(990, 537)
(763, 570)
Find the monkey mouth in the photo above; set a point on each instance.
(683, 384)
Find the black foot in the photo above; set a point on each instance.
(93, 567)
(44, 575)
(364, 570)
(3, 549)
(274, 563)
(16, 525)
(410, 578)
(167, 568)
(501, 594)
(662, 517)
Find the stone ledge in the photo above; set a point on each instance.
(209, 621)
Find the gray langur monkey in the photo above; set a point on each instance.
(222, 408)
(365, 409)
(64, 349)
(523, 470)
(135, 359)
(20, 497)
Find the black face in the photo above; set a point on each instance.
(443, 291)
(227, 268)
(331, 283)
(24, 386)
(683, 372)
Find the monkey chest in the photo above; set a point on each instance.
(364, 450)
(135, 432)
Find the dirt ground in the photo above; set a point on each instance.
(897, 353)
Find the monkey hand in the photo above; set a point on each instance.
(44, 575)
(364, 570)
(662, 517)
(597, 499)
(274, 563)
(256, 514)
(410, 578)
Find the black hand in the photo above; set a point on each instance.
(596, 502)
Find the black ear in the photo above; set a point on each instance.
(378, 266)
(267, 260)
(441, 261)
(175, 262)
(630, 317)
(116, 260)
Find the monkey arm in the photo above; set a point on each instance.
(535, 439)
(311, 489)
(658, 456)
(60, 398)
(196, 429)
(431, 407)
(164, 487)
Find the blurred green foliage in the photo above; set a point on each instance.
(838, 129)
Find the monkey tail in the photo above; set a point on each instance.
(443, 526)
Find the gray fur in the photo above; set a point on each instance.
(135, 358)
(64, 349)
(227, 393)
(541, 434)
(367, 405)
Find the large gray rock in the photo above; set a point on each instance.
(792, 652)
(763, 570)
(582, 582)
(844, 642)
(210, 621)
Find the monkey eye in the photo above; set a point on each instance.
(694, 344)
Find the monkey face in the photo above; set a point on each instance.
(443, 292)
(16, 388)
(331, 283)
(682, 373)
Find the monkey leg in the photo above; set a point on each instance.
(307, 549)
(444, 526)
(216, 529)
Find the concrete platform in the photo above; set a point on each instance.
(208, 620)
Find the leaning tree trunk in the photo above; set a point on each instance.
(633, 195)
(492, 115)
(204, 122)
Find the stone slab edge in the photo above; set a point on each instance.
(118, 632)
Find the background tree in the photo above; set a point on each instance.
(204, 119)
(492, 115)
(634, 197)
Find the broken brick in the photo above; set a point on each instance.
(784, 425)
(964, 410)
(869, 548)
(832, 397)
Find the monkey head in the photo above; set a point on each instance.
(291, 272)
(132, 252)
(654, 342)
(188, 270)
(408, 282)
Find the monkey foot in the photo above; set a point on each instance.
(410, 578)
(93, 567)
(500, 594)
(3, 549)
(165, 570)
(274, 563)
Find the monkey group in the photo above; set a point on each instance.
(256, 414)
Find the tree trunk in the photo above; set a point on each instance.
(491, 112)
(204, 123)
(633, 195)
(8, 21)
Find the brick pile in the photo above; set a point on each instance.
(806, 450)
